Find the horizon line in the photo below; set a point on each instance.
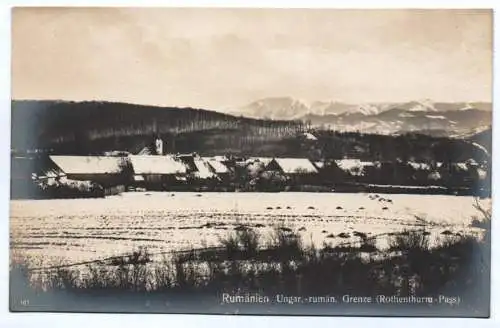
(219, 108)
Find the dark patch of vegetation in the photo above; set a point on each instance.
(368, 245)
(141, 256)
(413, 240)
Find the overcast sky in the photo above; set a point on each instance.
(223, 58)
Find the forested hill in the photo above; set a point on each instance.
(88, 127)
(83, 128)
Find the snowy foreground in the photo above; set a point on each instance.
(52, 232)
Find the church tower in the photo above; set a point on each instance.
(159, 146)
(158, 142)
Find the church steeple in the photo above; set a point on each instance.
(158, 142)
(159, 145)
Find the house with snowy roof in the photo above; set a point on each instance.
(296, 170)
(105, 170)
(158, 172)
(218, 166)
(292, 166)
(200, 174)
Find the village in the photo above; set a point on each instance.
(153, 169)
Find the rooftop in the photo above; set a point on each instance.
(154, 164)
(296, 165)
(88, 164)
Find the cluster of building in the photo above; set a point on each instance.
(154, 170)
(168, 172)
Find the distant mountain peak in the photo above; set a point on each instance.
(275, 108)
(368, 109)
(420, 106)
(424, 114)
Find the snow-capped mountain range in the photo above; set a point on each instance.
(436, 117)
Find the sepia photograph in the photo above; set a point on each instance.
(251, 161)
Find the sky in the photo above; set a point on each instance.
(226, 58)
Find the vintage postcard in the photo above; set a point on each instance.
(251, 161)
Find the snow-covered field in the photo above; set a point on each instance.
(49, 232)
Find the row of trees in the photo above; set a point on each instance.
(84, 126)
(407, 147)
